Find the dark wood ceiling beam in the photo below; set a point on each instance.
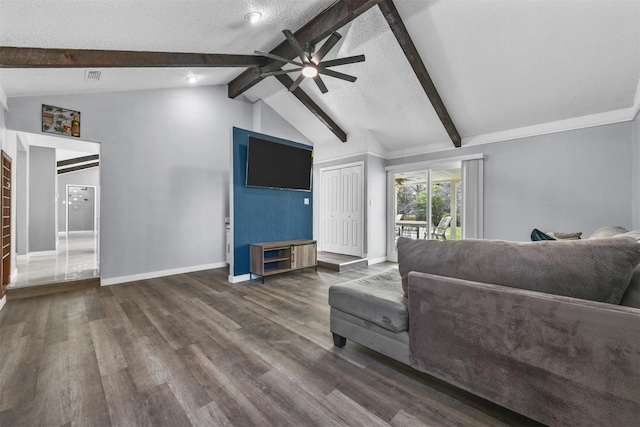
(313, 107)
(78, 168)
(29, 57)
(331, 19)
(75, 160)
(399, 30)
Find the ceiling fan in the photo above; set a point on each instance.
(312, 65)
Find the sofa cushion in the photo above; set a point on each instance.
(598, 270)
(377, 299)
(631, 297)
(608, 231)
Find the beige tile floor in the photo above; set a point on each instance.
(75, 259)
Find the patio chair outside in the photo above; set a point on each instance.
(439, 230)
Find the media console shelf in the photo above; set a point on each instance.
(279, 257)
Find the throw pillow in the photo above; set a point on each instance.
(598, 270)
(567, 236)
(537, 235)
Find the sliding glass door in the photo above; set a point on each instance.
(426, 204)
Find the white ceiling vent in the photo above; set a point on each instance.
(92, 76)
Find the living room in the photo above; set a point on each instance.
(558, 155)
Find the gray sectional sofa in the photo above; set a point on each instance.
(550, 330)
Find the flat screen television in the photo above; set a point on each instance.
(275, 165)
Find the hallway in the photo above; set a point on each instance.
(76, 259)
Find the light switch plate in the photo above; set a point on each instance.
(306, 200)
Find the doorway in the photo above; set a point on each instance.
(54, 243)
(426, 204)
(342, 214)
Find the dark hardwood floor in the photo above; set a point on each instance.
(194, 349)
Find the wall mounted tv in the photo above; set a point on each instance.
(275, 165)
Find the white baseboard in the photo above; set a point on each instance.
(377, 260)
(3, 301)
(22, 257)
(238, 279)
(63, 233)
(42, 253)
(162, 273)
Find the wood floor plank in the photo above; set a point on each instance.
(57, 321)
(164, 409)
(107, 348)
(222, 387)
(193, 349)
(88, 404)
(127, 406)
(37, 311)
(52, 402)
(352, 413)
(209, 415)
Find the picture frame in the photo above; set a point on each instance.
(60, 121)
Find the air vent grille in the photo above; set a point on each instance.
(92, 76)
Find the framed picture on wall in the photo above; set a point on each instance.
(60, 121)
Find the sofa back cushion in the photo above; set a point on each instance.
(597, 270)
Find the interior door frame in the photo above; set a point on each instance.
(322, 170)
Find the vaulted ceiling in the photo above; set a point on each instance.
(502, 69)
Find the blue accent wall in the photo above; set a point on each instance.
(264, 214)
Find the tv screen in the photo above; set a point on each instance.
(275, 165)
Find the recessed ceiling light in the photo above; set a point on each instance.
(253, 17)
(191, 78)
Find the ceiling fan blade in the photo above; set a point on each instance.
(279, 72)
(295, 84)
(337, 75)
(28, 57)
(326, 47)
(277, 57)
(343, 61)
(320, 83)
(296, 46)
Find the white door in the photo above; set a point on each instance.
(342, 213)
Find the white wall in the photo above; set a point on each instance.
(376, 208)
(567, 181)
(164, 173)
(267, 121)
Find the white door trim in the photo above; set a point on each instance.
(362, 201)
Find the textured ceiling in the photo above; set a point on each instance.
(497, 65)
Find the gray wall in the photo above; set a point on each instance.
(83, 177)
(42, 199)
(164, 173)
(636, 172)
(21, 203)
(567, 181)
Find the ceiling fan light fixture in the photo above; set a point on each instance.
(253, 17)
(310, 71)
(191, 78)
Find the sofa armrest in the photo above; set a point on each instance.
(558, 360)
